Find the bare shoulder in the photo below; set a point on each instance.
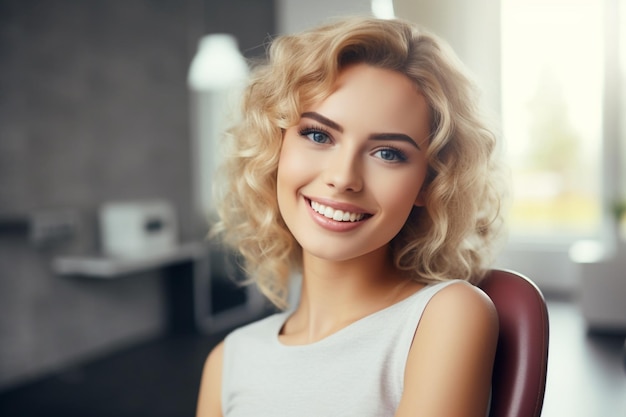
(215, 358)
(460, 321)
(452, 355)
(209, 396)
(464, 301)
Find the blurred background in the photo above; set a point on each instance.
(111, 298)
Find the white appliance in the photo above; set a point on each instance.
(137, 228)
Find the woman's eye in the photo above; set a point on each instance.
(316, 136)
(391, 155)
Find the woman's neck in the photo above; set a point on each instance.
(335, 294)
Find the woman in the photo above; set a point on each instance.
(361, 163)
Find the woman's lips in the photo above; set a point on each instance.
(332, 218)
(336, 214)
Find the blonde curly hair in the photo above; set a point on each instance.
(452, 236)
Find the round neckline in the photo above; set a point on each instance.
(283, 317)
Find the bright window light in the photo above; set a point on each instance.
(383, 9)
(552, 80)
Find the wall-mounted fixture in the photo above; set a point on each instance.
(42, 227)
(137, 228)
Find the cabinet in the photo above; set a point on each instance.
(200, 284)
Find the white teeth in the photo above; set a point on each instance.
(337, 215)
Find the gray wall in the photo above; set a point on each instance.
(93, 108)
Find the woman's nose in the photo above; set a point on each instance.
(343, 171)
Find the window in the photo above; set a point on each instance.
(552, 107)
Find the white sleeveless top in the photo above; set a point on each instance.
(357, 371)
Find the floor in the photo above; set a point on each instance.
(586, 371)
(156, 379)
(586, 378)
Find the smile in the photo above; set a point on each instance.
(336, 215)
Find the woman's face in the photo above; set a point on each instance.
(352, 168)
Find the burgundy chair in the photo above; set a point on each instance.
(519, 375)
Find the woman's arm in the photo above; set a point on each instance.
(448, 371)
(209, 397)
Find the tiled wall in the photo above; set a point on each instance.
(93, 108)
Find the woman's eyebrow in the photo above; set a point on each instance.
(324, 120)
(394, 136)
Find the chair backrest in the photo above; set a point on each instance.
(519, 376)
